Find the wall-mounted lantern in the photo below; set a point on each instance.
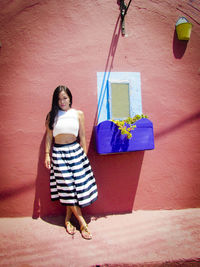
(183, 29)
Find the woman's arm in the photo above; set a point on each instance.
(82, 130)
(48, 142)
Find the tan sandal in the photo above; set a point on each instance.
(85, 232)
(70, 228)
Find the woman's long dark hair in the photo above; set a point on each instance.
(55, 107)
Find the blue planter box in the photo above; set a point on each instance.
(109, 138)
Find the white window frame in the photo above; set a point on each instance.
(104, 79)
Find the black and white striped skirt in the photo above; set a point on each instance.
(72, 181)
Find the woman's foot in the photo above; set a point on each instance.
(70, 228)
(85, 232)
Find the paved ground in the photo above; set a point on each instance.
(143, 238)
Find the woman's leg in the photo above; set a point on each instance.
(68, 214)
(83, 225)
(69, 227)
(78, 214)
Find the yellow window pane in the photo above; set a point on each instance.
(120, 100)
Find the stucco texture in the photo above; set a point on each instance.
(47, 43)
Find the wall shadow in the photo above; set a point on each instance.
(175, 126)
(43, 206)
(108, 66)
(117, 177)
(179, 47)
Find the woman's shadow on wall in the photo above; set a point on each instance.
(43, 207)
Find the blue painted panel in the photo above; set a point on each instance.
(109, 138)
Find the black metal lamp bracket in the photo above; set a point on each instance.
(123, 11)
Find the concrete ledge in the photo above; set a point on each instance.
(182, 263)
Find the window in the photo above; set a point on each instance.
(119, 100)
(119, 95)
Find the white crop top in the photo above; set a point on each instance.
(66, 122)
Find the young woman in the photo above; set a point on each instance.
(71, 178)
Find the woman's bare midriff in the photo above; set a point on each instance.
(65, 139)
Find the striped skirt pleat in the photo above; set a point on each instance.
(72, 181)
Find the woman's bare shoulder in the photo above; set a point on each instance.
(80, 113)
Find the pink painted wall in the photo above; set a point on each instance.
(47, 43)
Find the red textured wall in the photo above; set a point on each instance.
(47, 43)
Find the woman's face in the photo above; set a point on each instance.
(63, 101)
